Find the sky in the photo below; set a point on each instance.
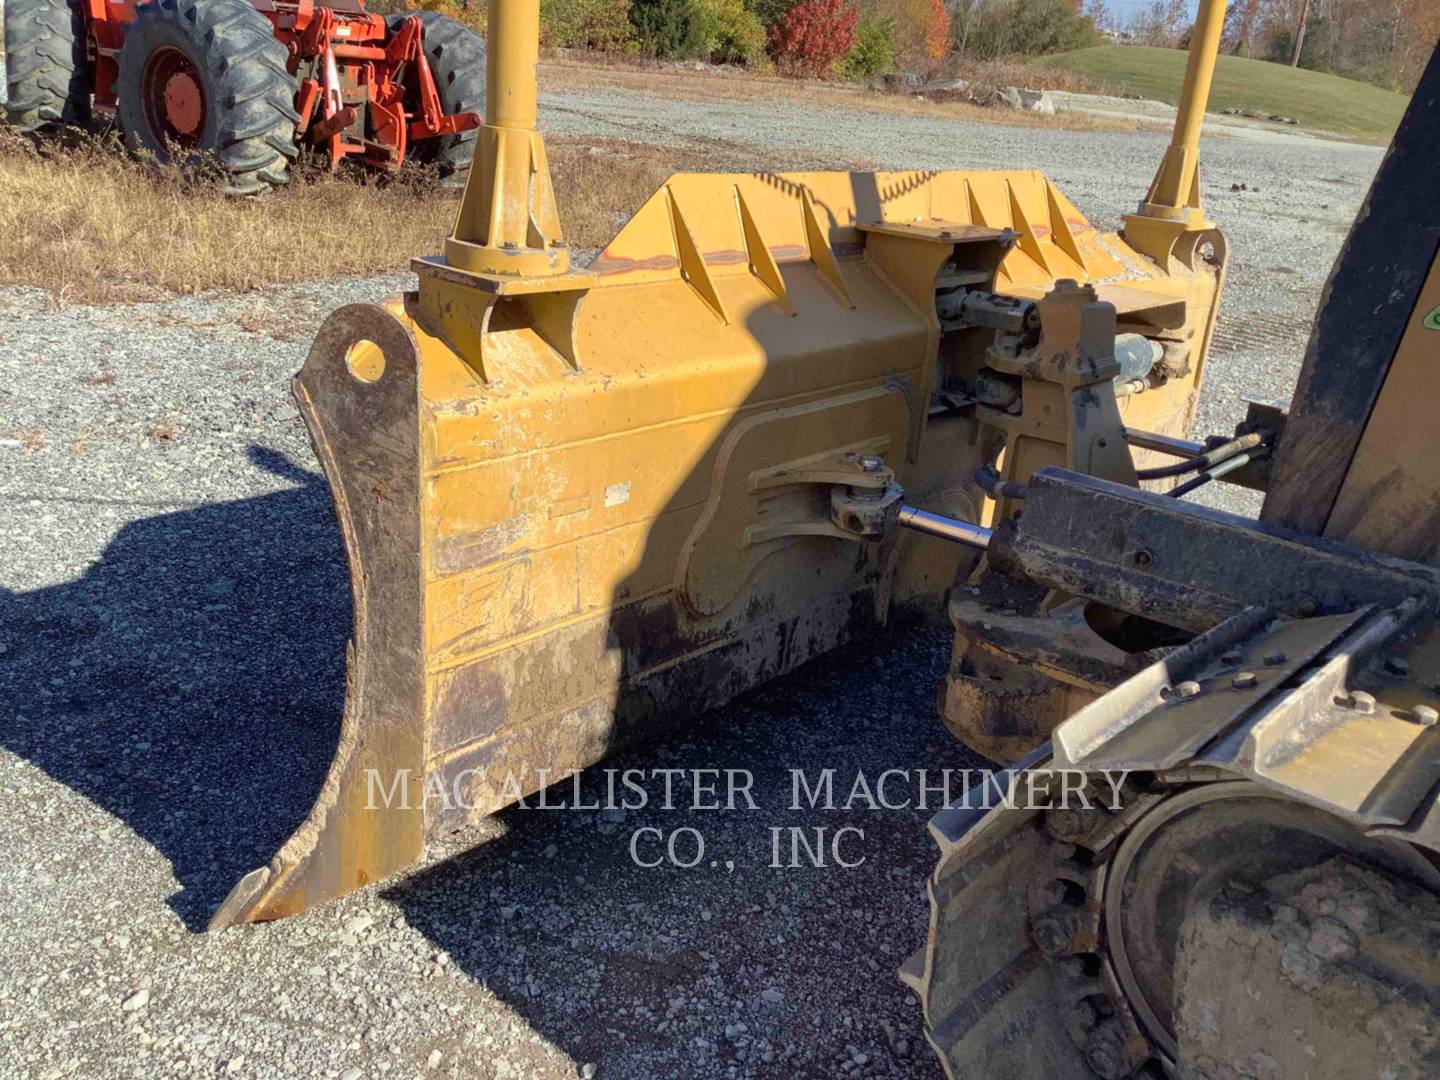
(1125, 9)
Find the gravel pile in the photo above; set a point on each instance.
(173, 615)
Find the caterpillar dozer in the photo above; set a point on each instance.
(1261, 896)
(581, 504)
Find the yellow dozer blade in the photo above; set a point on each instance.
(582, 505)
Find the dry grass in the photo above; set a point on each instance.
(89, 224)
(712, 83)
(1031, 75)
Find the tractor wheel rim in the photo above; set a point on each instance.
(174, 99)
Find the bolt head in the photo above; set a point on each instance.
(871, 464)
(1051, 934)
(1424, 715)
(1065, 823)
(1244, 680)
(1274, 659)
(1080, 1016)
(1107, 1052)
(1052, 893)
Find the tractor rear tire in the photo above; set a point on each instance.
(205, 80)
(457, 60)
(45, 64)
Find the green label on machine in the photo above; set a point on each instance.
(1432, 321)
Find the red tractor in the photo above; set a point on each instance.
(246, 82)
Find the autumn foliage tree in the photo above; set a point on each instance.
(814, 36)
(919, 30)
(937, 32)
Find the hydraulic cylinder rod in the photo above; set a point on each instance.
(1165, 444)
(961, 532)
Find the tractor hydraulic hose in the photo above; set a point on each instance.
(988, 477)
(1229, 465)
(961, 532)
(1208, 460)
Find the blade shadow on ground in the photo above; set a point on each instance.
(191, 681)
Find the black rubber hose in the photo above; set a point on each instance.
(1229, 465)
(1207, 460)
(988, 477)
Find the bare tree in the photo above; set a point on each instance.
(966, 13)
(1099, 13)
(1300, 33)
(1162, 24)
(1242, 42)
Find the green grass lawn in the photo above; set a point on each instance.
(1314, 99)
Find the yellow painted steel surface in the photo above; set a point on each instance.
(1390, 500)
(508, 222)
(1172, 205)
(567, 532)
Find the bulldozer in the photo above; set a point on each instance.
(779, 410)
(1260, 696)
(245, 84)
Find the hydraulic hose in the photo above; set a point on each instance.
(988, 477)
(1207, 460)
(1230, 464)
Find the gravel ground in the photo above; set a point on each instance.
(173, 613)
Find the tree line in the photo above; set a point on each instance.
(1385, 42)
